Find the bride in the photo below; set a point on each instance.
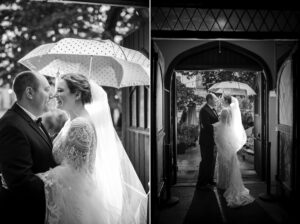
(95, 181)
(230, 137)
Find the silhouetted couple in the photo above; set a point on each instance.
(220, 139)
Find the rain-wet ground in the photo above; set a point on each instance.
(188, 165)
(196, 206)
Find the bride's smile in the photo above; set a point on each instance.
(66, 100)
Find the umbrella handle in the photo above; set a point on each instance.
(90, 68)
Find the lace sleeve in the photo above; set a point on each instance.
(80, 144)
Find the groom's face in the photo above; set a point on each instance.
(213, 101)
(42, 95)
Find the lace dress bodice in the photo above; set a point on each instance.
(74, 149)
(75, 145)
(108, 191)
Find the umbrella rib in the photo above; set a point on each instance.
(123, 53)
(90, 68)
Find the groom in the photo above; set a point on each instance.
(25, 149)
(207, 117)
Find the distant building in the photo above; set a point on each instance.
(200, 88)
(188, 82)
(195, 82)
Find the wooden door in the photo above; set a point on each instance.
(136, 113)
(285, 125)
(173, 131)
(157, 126)
(259, 135)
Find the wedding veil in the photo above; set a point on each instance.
(237, 125)
(120, 187)
(230, 133)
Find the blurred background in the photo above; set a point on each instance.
(28, 24)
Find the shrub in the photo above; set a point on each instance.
(187, 135)
(247, 119)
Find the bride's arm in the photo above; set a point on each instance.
(43, 176)
(216, 124)
(46, 177)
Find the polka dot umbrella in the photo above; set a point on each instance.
(233, 88)
(104, 61)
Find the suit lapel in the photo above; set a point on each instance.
(212, 112)
(35, 127)
(46, 132)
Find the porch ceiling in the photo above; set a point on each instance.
(216, 58)
(208, 22)
(229, 4)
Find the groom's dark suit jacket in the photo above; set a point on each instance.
(207, 117)
(24, 151)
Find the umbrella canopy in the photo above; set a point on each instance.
(233, 88)
(104, 61)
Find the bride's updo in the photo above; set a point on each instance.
(78, 82)
(226, 116)
(227, 99)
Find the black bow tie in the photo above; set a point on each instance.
(39, 121)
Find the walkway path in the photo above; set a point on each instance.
(188, 166)
(209, 207)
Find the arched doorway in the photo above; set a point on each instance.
(182, 26)
(218, 55)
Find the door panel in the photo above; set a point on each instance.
(285, 125)
(258, 130)
(157, 127)
(159, 131)
(173, 130)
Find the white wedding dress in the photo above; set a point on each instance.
(95, 182)
(230, 137)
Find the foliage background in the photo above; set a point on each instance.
(28, 24)
(209, 78)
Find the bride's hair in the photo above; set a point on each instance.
(226, 116)
(227, 98)
(78, 82)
